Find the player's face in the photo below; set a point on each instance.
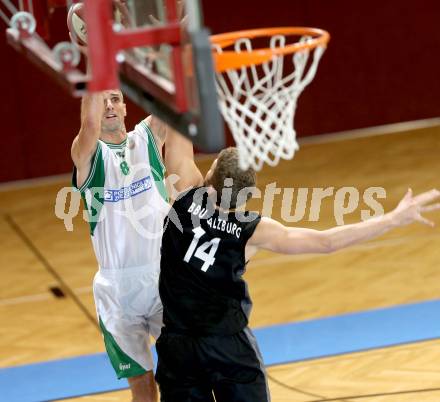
(114, 112)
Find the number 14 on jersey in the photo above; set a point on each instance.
(205, 252)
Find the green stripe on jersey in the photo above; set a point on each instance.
(157, 166)
(116, 146)
(124, 365)
(94, 184)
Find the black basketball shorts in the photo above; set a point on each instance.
(193, 369)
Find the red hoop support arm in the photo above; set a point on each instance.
(105, 43)
(36, 51)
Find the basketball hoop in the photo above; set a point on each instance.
(258, 87)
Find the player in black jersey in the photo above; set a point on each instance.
(205, 348)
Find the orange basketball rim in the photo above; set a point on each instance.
(231, 59)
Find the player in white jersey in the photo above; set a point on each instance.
(121, 178)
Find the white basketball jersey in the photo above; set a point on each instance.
(126, 199)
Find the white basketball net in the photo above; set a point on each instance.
(259, 102)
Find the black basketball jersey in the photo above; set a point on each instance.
(202, 263)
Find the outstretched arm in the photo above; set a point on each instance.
(159, 130)
(179, 157)
(274, 236)
(85, 143)
(179, 160)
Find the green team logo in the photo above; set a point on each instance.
(124, 168)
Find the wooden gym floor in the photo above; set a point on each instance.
(38, 254)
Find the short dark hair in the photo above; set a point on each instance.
(228, 168)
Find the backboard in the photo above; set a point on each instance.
(174, 77)
(157, 51)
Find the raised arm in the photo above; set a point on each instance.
(85, 143)
(179, 161)
(274, 236)
(159, 130)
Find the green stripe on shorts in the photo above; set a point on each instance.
(124, 365)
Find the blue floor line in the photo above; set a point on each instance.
(349, 333)
(291, 342)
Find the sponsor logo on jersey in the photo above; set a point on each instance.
(132, 190)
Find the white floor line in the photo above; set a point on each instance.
(386, 129)
(40, 297)
(83, 290)
(375, 131)
(26, 299)
(37, 182)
